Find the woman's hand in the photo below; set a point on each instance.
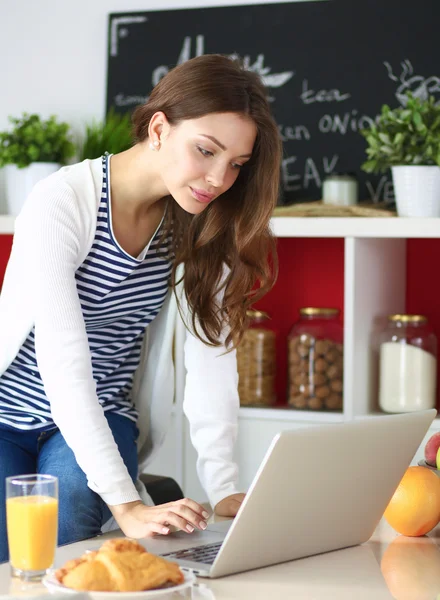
(228, 507)
(139, 521)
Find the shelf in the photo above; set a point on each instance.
(359, 227)
(373, 415)
(330, 227)
(288, 414)
(7, 224)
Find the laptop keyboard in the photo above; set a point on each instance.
(203, 554)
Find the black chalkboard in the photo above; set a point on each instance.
(329, 66)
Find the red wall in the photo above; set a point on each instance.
(312, 274)
(423, 287)
(5, 249)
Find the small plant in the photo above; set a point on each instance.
(113, 135)
(407, 135)
(33, 139)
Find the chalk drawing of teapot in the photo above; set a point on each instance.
(420, 87)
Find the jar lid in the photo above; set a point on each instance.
(257, 314)
(311, 310)
(407, 318)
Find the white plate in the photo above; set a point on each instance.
(54, 586)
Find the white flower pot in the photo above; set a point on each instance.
(417, 190)
(19, 182)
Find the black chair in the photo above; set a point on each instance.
(161, 489)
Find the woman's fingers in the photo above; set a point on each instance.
(185, 515)
(180, 517)
(194, 506)
(154, 528)
(190, 511)
(137, 528)
(192, 516)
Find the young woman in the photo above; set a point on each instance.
(107, 254)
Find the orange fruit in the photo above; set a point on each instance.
(411, 568)
(414, 508)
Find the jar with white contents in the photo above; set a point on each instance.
(407, 364)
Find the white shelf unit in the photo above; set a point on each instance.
(355, 227)
(7, 224)
(374, 285)
(326, 227)
(288, 415)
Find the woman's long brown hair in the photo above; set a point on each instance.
(234, 229)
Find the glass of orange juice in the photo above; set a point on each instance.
(32, 524)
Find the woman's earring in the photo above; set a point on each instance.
(154, 145)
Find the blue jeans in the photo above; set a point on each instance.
(82, 512)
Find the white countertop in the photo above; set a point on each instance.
(410, 569)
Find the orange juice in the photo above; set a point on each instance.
(32, 523)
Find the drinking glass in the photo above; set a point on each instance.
(32, 524)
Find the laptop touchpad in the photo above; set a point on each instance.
(220, 526)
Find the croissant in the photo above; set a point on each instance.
(120, 565)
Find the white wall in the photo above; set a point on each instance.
(53, 55)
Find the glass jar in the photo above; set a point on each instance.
(315, 360)
(407, 364)
(256, 362)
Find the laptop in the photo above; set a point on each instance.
(319, 488)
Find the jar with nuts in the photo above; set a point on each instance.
(256, 362)
(315, 360)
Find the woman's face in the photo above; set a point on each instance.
(200, 159)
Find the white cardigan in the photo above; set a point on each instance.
(53, 235)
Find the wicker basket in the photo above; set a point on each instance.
(319, 209)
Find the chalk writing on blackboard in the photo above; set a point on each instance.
(123, 100)
(421, 87)
(345, 122)
(271, 80)
(294, 132)
(116, 31)
(325, 79)
(309, 172)
(308, 96)
(382, 191)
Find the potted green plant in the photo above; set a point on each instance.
(407, 140)
(31, 150)
(113, 135)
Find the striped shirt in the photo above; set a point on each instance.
(120, 295)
